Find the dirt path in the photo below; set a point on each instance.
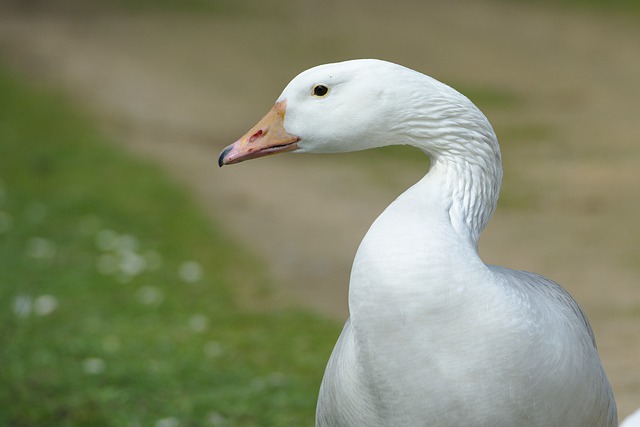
(176, 90)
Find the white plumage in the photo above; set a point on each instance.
(435, 336)
(632, 420)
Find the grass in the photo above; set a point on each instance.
(244, 8)
(116, 301)
(621, 6)
(255, 8)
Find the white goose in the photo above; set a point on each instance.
(435, 336)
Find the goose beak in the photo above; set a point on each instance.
(265, 138)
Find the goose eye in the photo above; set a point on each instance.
(320, 91)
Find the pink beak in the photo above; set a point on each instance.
(265, 138)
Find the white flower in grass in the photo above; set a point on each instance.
(126, 243)
(45, 305)
(22, 305)
(106, 240)
(168, 422)
(93, 366)
(213, 349)
(150, 295)
(198, 323)
(273, 380)
(276, 379)
(41, 248)
(216, 419)
(190, 271)
(131, 263)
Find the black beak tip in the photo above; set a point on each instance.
(222, 155)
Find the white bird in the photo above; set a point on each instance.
(632, 420)
(435, 336)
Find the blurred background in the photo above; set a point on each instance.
(142, 285)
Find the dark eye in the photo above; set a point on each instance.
(320, 90)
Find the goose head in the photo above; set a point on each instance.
(360, 104)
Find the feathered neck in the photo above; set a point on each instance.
(464, 153)
(473, 185)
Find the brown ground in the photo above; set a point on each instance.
(176, 89)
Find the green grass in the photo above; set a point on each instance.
(116, 301)
(255, 8)
(243, 8)
(623, 6)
